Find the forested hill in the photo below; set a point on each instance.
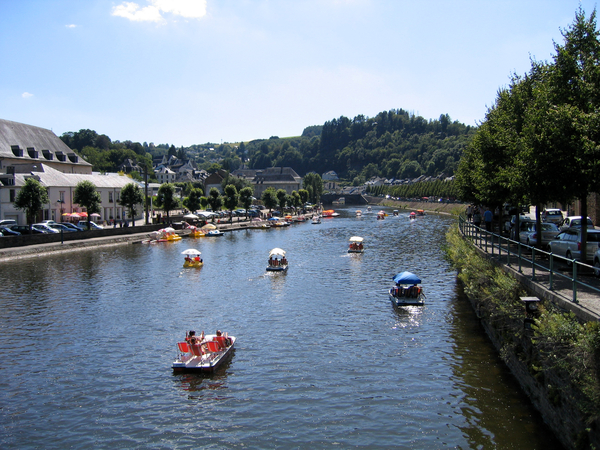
(394, 144)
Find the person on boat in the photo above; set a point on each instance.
(190, 336)
(360, 246)
(271, 260)
(188, 259)
(283, 261)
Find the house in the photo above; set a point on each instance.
(165, 175)
(214, 181)
(129, 166)
(330, 181)
(278, 178)
(21, 143)
(61, 187)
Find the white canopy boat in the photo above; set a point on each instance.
(277, 261)
(356, 245)
(205, 354)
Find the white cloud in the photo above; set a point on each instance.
(72, 25)
(26, 95)
(132, 11)
(190, 9)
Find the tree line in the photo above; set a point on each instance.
(540, 141)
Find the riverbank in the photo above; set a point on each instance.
(554, 357)
(428, 207)
(38, 247)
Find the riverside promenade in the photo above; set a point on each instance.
(83, 242)
(547, 278)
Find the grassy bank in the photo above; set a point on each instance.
(556, 360)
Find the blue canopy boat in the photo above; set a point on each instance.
(407, 290)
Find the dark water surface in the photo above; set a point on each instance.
(323, 360)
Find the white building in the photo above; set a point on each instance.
(60, 188)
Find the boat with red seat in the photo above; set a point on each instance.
(203, 355)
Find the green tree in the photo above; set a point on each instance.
(192, 201)
(31, 198)
(303, 195)
(203, 202)
(231, 199)
(281, 199)
(246, 198)
(215, 200)
(313, 183)
(296, 200)
(87, 196)
(269, 198)
(572, 111)
(131, 195)
(166, 198)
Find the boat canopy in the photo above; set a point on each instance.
(356, 239)
(277, 252)
(406, 278)
(191, 251)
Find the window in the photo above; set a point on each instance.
(61, 196)
(12, 195)
(110, 197)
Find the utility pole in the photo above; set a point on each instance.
(146, 191)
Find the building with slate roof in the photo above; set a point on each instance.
(21, 143)
(278, 178)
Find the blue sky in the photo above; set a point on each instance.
(188, 72)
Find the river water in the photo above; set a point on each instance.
(323, 360)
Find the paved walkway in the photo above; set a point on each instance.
(557, 286)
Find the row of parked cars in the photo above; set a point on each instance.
(562, 236)
(11, 228)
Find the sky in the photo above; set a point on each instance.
(187, 72)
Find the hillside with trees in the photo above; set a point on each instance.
(393, 144)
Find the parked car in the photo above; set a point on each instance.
(24, 229)
(552, 215)
(93, 225)
(7, 222)
(528, 234)
(44, 227)
(568, 243)
(72, 226)
(62, 228)
(8, 232)
(597, 263)
(574, 221)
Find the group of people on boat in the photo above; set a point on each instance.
(274, 262)
(356, 246)
(223, 340)
(196, 258)
(410, 291)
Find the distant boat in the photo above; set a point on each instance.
(356, 245)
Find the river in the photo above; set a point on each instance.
(323, 360)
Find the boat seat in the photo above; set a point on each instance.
(183, 347)
(213, 346)
(196, 349)
(222, 340)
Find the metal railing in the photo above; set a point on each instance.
(540, 266)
